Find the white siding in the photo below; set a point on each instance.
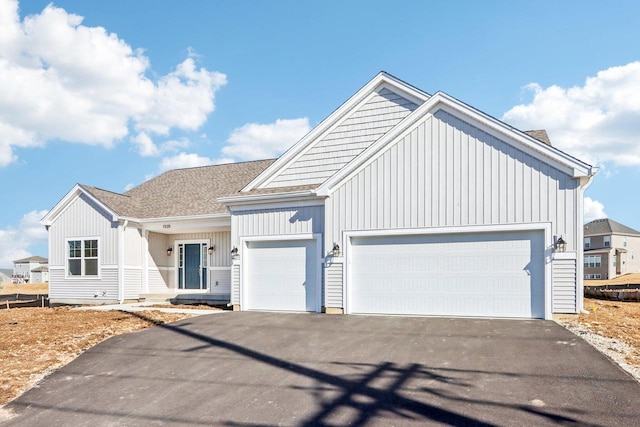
(271, 222)
(220, 281)
(364, 126)
(235, 283)
(446, 172)
(564, 280)
(333, 284)
(274, 222)
(83, 219)
(132, 282)
(90, 290)
(132, 247)
(158, 281)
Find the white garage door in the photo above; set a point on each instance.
(281, 275)
(480, 274)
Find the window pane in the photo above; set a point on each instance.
(74, 249)
(74, 267)
(91, 248)
(91, 267)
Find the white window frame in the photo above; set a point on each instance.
(82, 258)
(607, 241)
(592, 261)
(587, 242)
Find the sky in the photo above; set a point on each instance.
(113, 93)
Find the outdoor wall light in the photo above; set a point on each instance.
(234, 252)
(169, 251)
(336, 250)
(561, 245)
(212, 249)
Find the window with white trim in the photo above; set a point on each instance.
(624, 241)
(592, 261)
(607, 241)
(587, 242)
(82, 257)
(592, 276)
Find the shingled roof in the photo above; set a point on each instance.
(607, 226)
(182, 192)
(540, 135)
(32, 259)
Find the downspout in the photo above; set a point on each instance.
(121, 228)
(580, 244)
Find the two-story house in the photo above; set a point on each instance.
(26, 269)
(611, 249)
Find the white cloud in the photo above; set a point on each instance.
(597, 122)
(147, 148)
(62, 80)
(184, 160)
(593, 209)
(261, 141)
(15, 242)
(145, 144)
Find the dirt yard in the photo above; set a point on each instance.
(36, 341)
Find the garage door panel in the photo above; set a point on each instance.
(281, 275)
(497, 275)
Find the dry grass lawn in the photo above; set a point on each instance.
(28, 289)
(36, 341)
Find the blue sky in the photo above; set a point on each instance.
(112, 93)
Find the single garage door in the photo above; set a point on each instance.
(479, 274)
(281, 275)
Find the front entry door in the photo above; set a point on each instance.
(192, 269)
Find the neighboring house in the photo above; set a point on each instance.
(5, 276)
(399, 202)
(40, 274)
(22, 268)
(610, 249)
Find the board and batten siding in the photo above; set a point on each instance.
(271, 222)
(377, 116)
(83, 219)
(446, 172)
(564, 285)
(281, 221)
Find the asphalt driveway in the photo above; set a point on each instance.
(255, 369)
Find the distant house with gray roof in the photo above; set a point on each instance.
(23, 270)
(398, 202)
(611, 249)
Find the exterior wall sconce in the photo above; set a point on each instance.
(234, 253)
(561, 245)
(212, 249)
(336, 250)
(169, 251)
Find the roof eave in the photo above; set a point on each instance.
(62, 205)
(270, 198)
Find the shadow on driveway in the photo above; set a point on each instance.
(254, 369)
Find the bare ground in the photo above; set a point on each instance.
(36, 341)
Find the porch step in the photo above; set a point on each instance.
(182, 298)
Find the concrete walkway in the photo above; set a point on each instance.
(147, 306)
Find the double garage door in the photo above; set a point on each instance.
(480, 274)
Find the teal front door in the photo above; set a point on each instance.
(191, 271)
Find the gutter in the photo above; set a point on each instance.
(580, 238)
